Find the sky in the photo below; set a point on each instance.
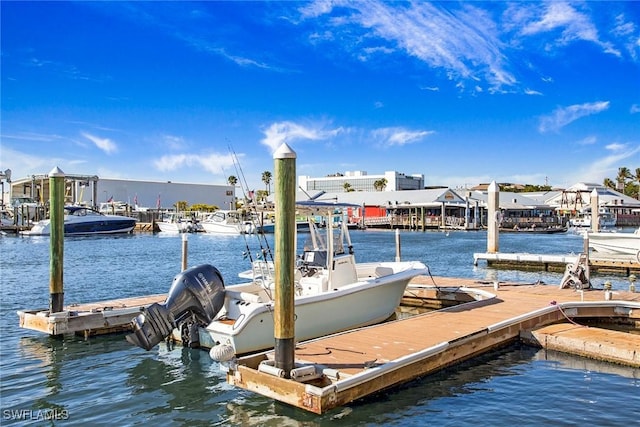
(543, 93)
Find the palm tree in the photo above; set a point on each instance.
(623, 175)
(347, 187)
(380, 184)
(232, 180)
(637, 178)
(266, 178)
(608, 182)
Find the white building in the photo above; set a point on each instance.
(92, 191)
(361, 181)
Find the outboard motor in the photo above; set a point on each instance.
(196, 293)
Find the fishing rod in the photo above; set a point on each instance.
(247, 252)
(266, 253)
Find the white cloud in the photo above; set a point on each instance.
(464, 42)
(607, 166)
(563, 116)
(589, 140)
(398, 136)
(174, 142)
(532, 92)
(105, 144)
(635, 108)
(551, 17)
(278, 133)
(214, 163)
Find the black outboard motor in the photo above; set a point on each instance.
(197, 292)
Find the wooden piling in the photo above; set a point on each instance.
(595, 211)
(285, 229)
(493, 211)
(184, 251)
(56, 216)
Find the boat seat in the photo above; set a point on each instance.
(383, 271)
(245, 296)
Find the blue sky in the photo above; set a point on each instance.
(464, 93)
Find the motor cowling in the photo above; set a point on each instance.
(196, 293)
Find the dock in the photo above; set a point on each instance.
(97, 318)
(471, 318)
(598, 263)
(339, 369)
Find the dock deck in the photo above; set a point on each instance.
(598, 263)
(96, 318)
(357, 363)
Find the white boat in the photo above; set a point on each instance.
(616, 243)
(6, 219)
(227, 222)
(177, 223)
(583, 219)
(333, 293)
(80, 220)
(301, 227)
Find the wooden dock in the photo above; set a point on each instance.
(96, 318)
(598, 263)
(355, 364)
(477, 317)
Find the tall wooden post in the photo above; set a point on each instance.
(184, 251)
(493, 211)
(595, 211)
(56, 216)
(285, 229)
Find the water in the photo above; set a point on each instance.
(106, 381)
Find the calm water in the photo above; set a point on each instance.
(106, 381)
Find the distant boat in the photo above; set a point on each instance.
(80, 220)
(536, 230)
(177, 223)
(301, 227)
(583, 219)
(227, 222)
(616, 243)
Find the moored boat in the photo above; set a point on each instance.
(176, 223)
(616, 243)
(333, 293)
(81, 220)
(606, 219)
(227, 222)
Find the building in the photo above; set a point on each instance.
(361, 181)
(92, 191)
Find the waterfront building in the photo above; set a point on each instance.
(354, 181)
(93, 191)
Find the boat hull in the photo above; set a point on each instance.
(615, 243)
(84, 221)
(233, 229)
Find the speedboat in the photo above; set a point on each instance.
(333, 293)
(80, 220)
(175, 223)
(616, 243)
(227, 222)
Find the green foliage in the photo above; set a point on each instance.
(626, 182)
(201, 207)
